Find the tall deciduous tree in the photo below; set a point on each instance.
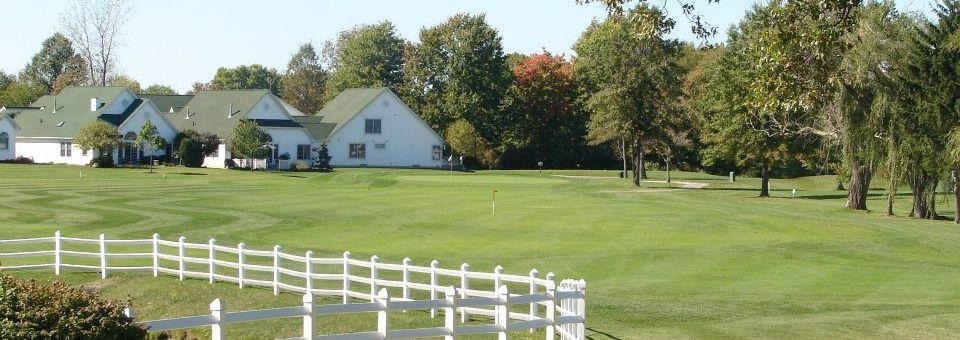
(126, 81)
(551, 122)
(364, 56)
(246, 77)
(21, 93)
(53, 60)
(96, 29)
(157, 89)
(303, 84)
(458, 71)
(75, 73)
(630, 85)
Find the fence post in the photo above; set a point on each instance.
(213, 257)
(156, 254)
(464, 285)
(346, 277)
(240, 247)
(433, 285)
(450, 313)
(582, 309)
(405, 285)
(373, 277)
(551, 310)
(56, 252)
(276, 270)
(383, 298)
(180, 254)
(103, 257)
(216, 311)
(503, 313)
(308, 319)
(308, 259)
(533, 290)
(497, 282)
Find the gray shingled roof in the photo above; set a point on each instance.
(73, 112)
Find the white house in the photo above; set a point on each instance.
(362, 127)
(373, 127)
(8, 136)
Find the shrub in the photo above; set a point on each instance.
(102, 161)
(300, 166)
(191, 154)
(19, 160)
(32, 310)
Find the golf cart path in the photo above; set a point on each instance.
(683, 184)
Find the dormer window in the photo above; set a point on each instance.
(372, 126)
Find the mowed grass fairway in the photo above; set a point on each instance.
(710, 263)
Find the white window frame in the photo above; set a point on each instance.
(375, 129)
(307, 154)
(66, 149)
(436, 155)
(5, 139)
(361, 151)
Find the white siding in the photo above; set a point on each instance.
(287, 140)
(6, 126)
(267, 108)
(148, 112)
(119, 104)
(47, 150)
(218, 161)
(407, 140)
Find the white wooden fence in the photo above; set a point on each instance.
(563, 309)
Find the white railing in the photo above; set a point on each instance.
(558, 309)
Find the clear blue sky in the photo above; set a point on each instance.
(178, 42)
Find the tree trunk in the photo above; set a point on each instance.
(923, 195)
(840, 186)
(955, 174)
(623, 155)
(637, 153)
(151, 163)
(642, 162)
(668, 170)
(764, 180)
(891, 194)
(892, 172)
(860, 177)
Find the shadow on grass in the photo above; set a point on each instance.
(294, 176)
(602, 335)
(190, 173)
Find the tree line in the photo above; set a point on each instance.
(852, 88)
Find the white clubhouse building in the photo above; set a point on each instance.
(361, 127)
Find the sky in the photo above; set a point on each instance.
(179, 42)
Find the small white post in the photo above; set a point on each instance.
(383, 298)
(582, 310)
(213, 257)
(156, 254)
(405, 284)
(308, 319)
(57, 247)
(217, 331)
(433, 285)
(733, 177)
(551, 310)
(450, 312)
(497, 281)
(103, 257)
(373, 277)
(533, 290)
(308, 259)
(503, 313)
(128, 312)
(464, 285)
(276, 269)
(240, 247)
(180, 254)
(346, 277)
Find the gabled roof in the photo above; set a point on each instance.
(72, 112)
(315, 126)
(6, 116)
(346, 105)
(165, 102)
(209, 111)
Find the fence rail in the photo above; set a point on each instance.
(555, 308)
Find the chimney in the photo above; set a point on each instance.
(94, 103)
(54, 104)
(188, 112)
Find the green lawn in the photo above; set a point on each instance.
(709, 263)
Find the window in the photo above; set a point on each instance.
(303, 151)
(380, 145)
(437, 152)
(66, 149)
(83, 153)
(358, 151)
(372, 126)
(4, 141)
